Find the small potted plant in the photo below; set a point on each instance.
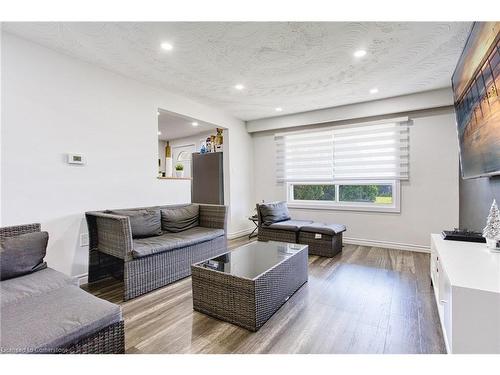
(179, 171)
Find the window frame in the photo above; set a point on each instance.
(395, 207)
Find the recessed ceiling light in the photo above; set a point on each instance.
(194, 123)
(278, 109)
(374, 90)
(239, 86)
(159, 132)
(167, 46)
(360, 53)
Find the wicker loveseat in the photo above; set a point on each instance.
(44, 311)
(275, 224)
(148, 262)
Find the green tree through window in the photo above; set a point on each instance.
(314, 192)
(380, 194)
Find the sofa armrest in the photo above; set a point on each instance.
(110, 234)
(213, 216)
(17, 230)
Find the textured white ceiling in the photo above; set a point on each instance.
(173, 126)
(297, 66)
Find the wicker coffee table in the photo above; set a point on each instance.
(248, 285)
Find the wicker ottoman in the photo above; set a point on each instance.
(323, 239)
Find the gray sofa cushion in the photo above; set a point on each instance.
(328, 229)
(32, 284)
(291, 225)
(144, 222)
(54, 319)
(171, 241)
(177, 219)
(197, 235)
(22, 254)
(273, 213)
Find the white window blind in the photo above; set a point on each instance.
(304, 156)
(359, 152)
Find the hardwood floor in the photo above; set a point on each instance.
(366, 300)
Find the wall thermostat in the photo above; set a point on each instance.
(76, 159)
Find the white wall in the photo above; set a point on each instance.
(411, 102)
(429, 200)
(193, 139)
(53, 104)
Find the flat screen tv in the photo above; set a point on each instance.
(476, 90)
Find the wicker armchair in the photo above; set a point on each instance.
(111, 251)
(16, 295)
(322, 239)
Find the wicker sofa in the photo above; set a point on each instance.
(275, 224)
(149, 262)
(45, 311)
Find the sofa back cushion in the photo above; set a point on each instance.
(144, 222)
(273, 212)
(178, 219)
(22, 254)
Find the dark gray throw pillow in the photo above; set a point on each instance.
(144, 222)
(22, 254)
(274, 212)
(177, 219)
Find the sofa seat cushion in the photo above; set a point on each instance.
(171, 241)
(291, 225)
(328, 229)
(178, 219)
(33, 284)
(23, 254)
(55, 319)
(144, 222)
(197, 235)
(273, 212)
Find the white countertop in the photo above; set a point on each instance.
(468, 264)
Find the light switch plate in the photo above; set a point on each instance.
(76, 159)
(84, 239)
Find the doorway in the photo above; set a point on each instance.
(191, 149)
(183, 155)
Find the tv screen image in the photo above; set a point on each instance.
(476, 90)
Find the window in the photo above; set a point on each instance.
(350, 167)
(184, 156)
(348, 195)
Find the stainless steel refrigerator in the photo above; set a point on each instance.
(207, 185)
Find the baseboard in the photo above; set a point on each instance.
(239, 233)
(82, 279)
(387, 244)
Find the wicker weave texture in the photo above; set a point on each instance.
(275, 287)
(244, 302)
(19, 229)
(143, 275)
(110, 340)
(280, 235)
(112, 234)
(326, 246)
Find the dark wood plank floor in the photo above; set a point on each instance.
(366, 300)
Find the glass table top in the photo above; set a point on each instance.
(252, 260)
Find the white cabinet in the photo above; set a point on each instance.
(466, 280)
